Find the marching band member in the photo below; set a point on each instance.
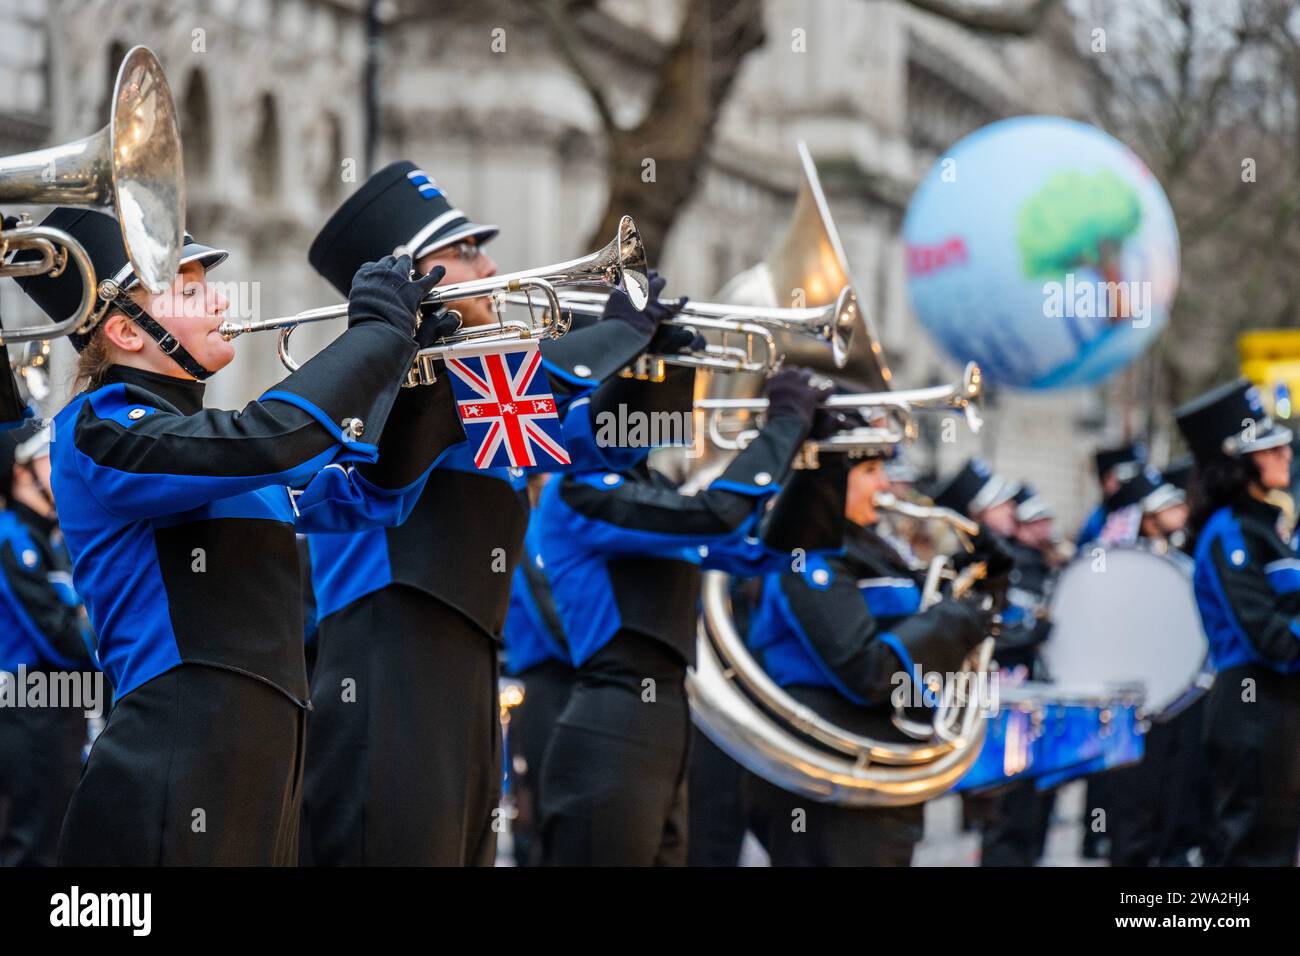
(1114, 466)
(1247, 583)
(42, 628)
(836, 634)
(1158, 808)
(170, 510)
(623, 555)
(1017, 817)
(404, 758)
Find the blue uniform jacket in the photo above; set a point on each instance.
(181, 520)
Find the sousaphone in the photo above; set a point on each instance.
(732, 699)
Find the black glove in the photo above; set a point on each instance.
(619, 306)
(829, 422)
(436, 326)
(992, 549)
(964, 622)
(795, 391)
(383, 291)
(675, 340)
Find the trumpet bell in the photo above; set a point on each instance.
(633, 269)
(132, 165)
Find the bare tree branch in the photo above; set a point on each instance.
(1017, 20)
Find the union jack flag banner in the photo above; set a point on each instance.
(507, 408)
(1122, 527)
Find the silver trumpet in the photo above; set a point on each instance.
(766, 332)
(622, 263)
(963, 395)
(132, 166)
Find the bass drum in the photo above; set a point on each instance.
(1130, 617)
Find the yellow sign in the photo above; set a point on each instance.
(1271, 359)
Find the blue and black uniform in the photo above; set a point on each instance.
(1247, 583)
(181, 523)
(537, 654)
(623, 553)
(42, 629)
(835, 634)
(406, 770)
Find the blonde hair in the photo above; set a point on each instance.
(93, 362)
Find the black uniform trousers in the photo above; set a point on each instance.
(404, 739)
(719, 804)
(1253, 747)
(1017, 818)
(546, 693)
(40, 760)
(799, 831)
(1160, 807)
(201, 766)
(614, 790)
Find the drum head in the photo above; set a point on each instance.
(1135, 621)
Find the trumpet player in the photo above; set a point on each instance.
(837, 633)
(623, 552)
(170, 510)
(404, 758)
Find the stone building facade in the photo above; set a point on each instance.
(270, 94)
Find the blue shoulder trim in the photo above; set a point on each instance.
(360, 451)
(110, 404)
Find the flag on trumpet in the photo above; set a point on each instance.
(506, 407)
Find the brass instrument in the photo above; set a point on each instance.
(732, 698)
(771, 328)
(963, 395)
(622, 262)
(133, 166)
(32, 371)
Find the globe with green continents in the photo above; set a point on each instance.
(1043, 249)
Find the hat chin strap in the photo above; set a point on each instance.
(170, 345)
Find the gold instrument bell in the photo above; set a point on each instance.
(810, 257)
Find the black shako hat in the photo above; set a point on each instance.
(1147, 488)
(973, 489)
(101, 236)
(399, 209)
(1229, 421)
(1179, 473)
(1127, 458)
(1031, 506)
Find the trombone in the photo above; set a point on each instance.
(133, 166)
(833, 325)
(621, 262)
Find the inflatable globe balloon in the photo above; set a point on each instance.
(1044, 250)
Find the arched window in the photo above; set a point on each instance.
(266, 150)
(196, 127)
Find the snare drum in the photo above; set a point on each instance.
(1052, 734)
(1129, 616)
